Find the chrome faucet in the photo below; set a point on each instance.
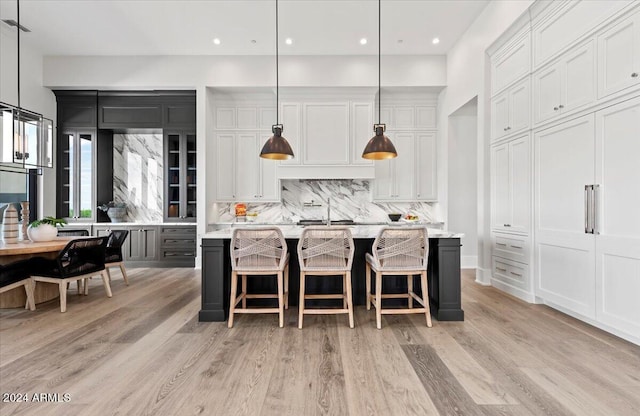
(328, 211)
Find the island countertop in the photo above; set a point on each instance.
(294, 231)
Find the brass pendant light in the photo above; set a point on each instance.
(277, 147)
(380, 146)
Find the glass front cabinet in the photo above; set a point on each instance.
(76, 154)
(180, 176)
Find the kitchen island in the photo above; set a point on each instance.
(443, 272)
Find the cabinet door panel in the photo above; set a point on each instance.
(564, 253)
(511, 64)
(500, 186)
(403, 118)
(520, 189)
(149, 250)
(519, 99)
(578, 78)
(268, 181)
(499, 115)
(321, 148)
(618, 53)
(426, 172)
(383, 189)
(247, 163)
(426, 117)
(404, 166)
(291, 122)
(226, 167)
(246, 117)
(546, 84)
(618, 242)
(362, 131)
(225, 118)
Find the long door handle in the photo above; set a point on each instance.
(594, 208)
(587, 195)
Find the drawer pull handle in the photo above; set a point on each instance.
(501, 244)
(634, 75)
(507, 225)
(516, 274)
(520, 247)
(501, 269)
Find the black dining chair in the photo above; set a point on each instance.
(79, 260)
(17, 274)
(72, 233)
(113, 253)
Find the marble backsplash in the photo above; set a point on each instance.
(137, 175)
(350, 199)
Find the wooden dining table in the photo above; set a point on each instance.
(24, 250)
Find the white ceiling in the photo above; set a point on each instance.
(187, 27)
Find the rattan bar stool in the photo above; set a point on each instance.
(258, 252)
(326, 251)
(399, 251)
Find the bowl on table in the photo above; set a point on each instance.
(395, 217)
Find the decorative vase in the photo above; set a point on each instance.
(10, 221)
(117, 214)
(43, 232)
(25, 219)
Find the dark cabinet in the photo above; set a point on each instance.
(75, 171)
(129, 112)
(180, 176)
(178, 246)
(143, 244)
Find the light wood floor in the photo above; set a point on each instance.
(143, 352)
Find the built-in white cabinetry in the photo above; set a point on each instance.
(412, 175)
(566, 84)
(244, 117)
(510, 185)
(409, 117)
(511, 62)
(510, 110)
(587, 250)
(619, 56)
(241, 174)
(326, 133)
(565, 22)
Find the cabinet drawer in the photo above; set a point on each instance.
(512, 273)
(178, 254)
(178, 230)
(175, 241)
(511, 247)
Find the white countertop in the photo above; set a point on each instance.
(127, 224)
(294, 231)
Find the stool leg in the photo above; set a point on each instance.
(105, 282)
(124, 274)
(232, 302)
(301, 303)
(378, 303)
(368, 284)
(244, 291)
(410, 289)
(286, 286)
(281, 299)
(345, 305)
(349, 299)
(425, 297)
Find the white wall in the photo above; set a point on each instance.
(467, 77)
(462, 181)
(32, 97)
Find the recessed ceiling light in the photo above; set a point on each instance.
(435, 41)
(363, 41)
(288, 41)
(216, 41)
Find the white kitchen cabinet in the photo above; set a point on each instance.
(412, 175)
(511, 177)
(564, 251)
(361, 131)
(566, 84)
(242, 174)
(511, 62)
(326, 133)
(617, 224)
(619, 56)
(510, 110)
(408, 117)
(291, 119)
(566, 23)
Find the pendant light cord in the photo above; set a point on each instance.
(277, 70)
(379, 63)
(18, 17)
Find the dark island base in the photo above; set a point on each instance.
(443, 274)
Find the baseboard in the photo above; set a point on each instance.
(514, 291)
(483, 276)
(626, 336)
(469, 262)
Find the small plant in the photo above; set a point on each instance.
(49, 220)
